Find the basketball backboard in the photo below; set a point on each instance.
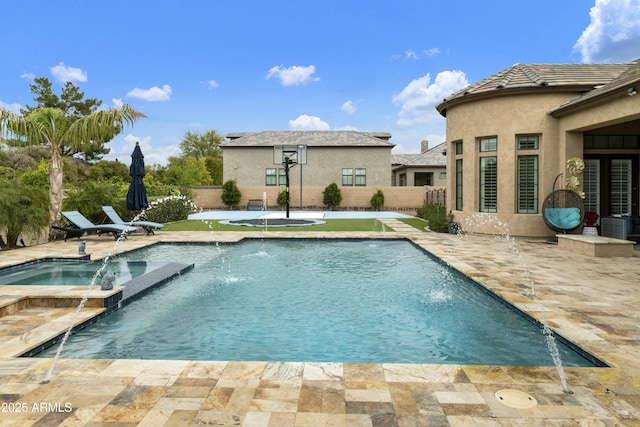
(297, 154)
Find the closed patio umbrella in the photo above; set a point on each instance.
(137, 194)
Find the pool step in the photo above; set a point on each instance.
(12, 304)
(33, 328)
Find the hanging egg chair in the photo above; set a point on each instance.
(562, 210)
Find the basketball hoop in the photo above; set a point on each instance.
(289, 156)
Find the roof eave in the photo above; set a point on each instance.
(593, 100)
(513, 91)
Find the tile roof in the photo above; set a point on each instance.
(626, 80)
(310, 138)
(433, 157)
(552, 77)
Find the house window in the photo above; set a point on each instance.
(443, 175)
(528, 142)
(403, 180)
(527, 175)
(527, 184)
(591, 185)
(422, 178)
(459, 184)
(282, 176)
(612, 141)
(489, 184)
(361, 177)
(347, 177)
(458, 147)
(488, 144)
(621, 188)
(270, 176)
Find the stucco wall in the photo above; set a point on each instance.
(504, 117)
(324, 165)
(410, 172)
(396, 198)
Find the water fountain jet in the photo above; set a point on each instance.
(510, 243)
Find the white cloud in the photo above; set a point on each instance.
(347, 127)
(152, 153)
(28, 76)
(412, 54)
(419, 98)
(304, 122)
(349, 107)
(13, 108)
(293, 76)
(212, 84)
(64, 73)
(409, 54)
(613, 34)
(117, 102)
(152, 94)
(432, 52)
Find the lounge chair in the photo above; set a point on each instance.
(147, 226)
(82, 225)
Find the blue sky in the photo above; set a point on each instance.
(239, 66)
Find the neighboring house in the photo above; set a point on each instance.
(348, 158)
(426, 168)
(510, 135)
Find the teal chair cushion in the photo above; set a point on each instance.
(564, 218)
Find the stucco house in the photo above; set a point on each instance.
(510, 135)
(426, 168)
(348, 158)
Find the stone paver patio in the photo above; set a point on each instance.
(594, 302)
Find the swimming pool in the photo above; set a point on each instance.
(374, 301)
(73, 272)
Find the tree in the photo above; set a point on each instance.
(204, 147)
(187, 172)
(332, 196)
(201, 145)
(109, 169)
(50, 127)
(73, 106)
(230, 193)
(214, 167)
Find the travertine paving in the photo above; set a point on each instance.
(591, 301)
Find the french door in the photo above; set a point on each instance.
(621, 193)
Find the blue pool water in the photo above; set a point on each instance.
(315, 300)
(72, 273)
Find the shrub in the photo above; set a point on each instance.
(377, 200)
(332, 196)
(436, 215)
(282, 198)
(168, 209)
(230, 193)
(89, 197)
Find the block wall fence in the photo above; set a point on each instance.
(353, 198)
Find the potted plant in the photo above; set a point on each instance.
(590, 218)
(452, 226)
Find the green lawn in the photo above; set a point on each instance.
(363, 224)
(416, 222)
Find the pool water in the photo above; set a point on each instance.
(316, 301)
(72, 273)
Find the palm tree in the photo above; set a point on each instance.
(49, 126)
